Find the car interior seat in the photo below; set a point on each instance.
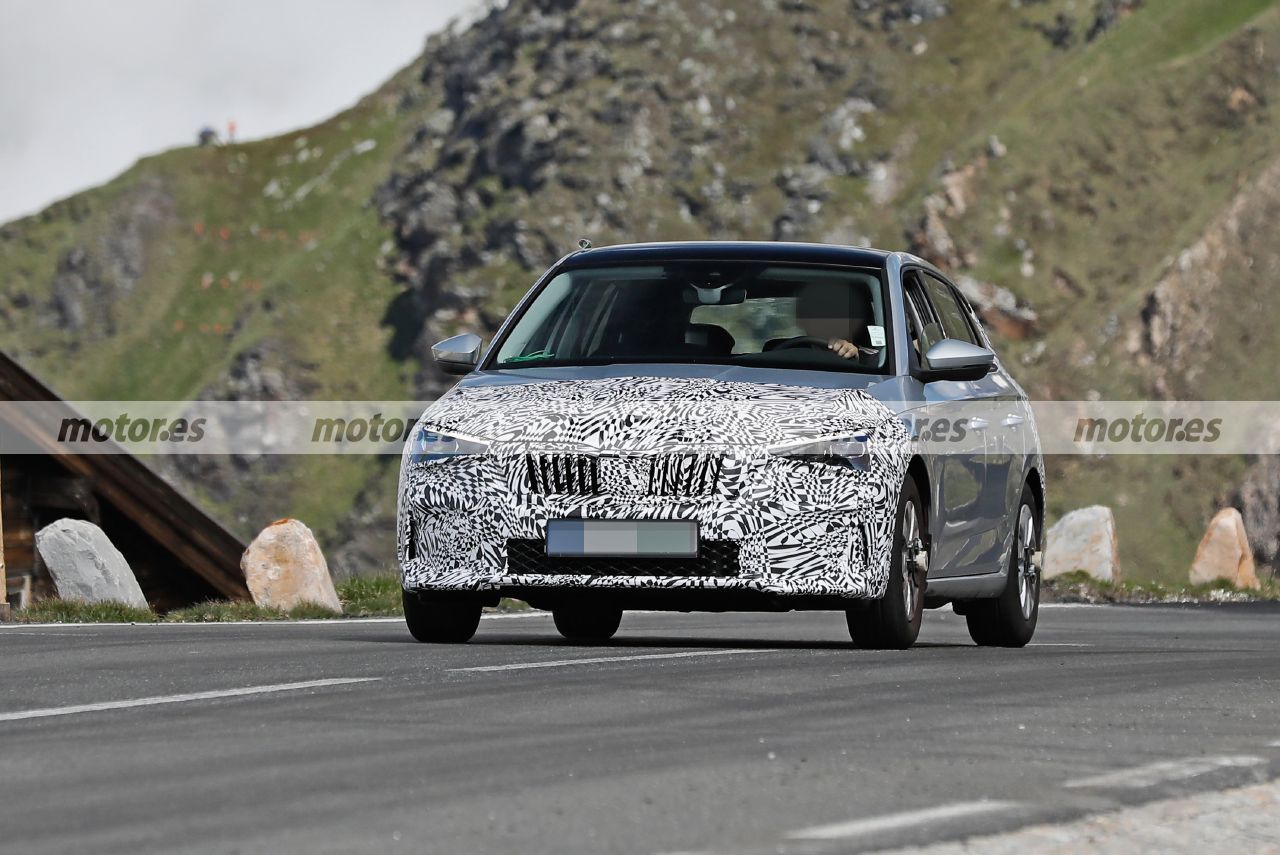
(709, 337)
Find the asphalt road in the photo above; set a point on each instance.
(726, 733)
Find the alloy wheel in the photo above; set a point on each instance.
(1028, 572)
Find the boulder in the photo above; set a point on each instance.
(1084, 539)
(85, 566)
(284, 567)
(1224, 552)
(1259, 504)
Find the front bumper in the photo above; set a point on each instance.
(794, 528)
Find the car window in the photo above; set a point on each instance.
(753, 323)
(733, 312)
(947, 308)
(930, 331)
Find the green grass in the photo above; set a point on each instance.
(379, 596)
(371, 596)
(69, 611)
(223, 611)
(361, 597)
(1079, 587)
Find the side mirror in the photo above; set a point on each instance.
(952, 359)
(458, 355)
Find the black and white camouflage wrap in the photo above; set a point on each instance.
(802, 528)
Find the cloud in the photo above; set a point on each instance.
(88, 87)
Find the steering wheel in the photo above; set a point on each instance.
(803, 341)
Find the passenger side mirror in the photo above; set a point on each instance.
(458, 355)
(952, 359)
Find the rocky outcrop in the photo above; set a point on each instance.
(889, 14)
(1108, 13)
(1177, 339)
(1258, 498)
(999, 308)
(85, 566)
(1084, 539)
(548, 121)
(284, 568)
(92, 277)
(1224, 552)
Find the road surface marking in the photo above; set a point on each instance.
(1168, 770)
(597, 660)
(1059, 644)
(45, 634)
(1245, 819)
(1275, 744)
(15, 630)
(49, 712)
(893, 821)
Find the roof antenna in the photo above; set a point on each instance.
(583, 243)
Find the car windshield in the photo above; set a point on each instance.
(729, 312)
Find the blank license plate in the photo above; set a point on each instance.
(622, 537)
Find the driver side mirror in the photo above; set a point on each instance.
(458, 355)
(952, 359)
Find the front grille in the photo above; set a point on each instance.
(564, 474)
(684, 475)
(714, 558)
(675, 475)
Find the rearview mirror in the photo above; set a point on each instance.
(952, 359)
(458, 355)
(713, 295)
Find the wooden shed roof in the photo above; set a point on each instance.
(200, 544)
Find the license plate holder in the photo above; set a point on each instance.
(621, 538)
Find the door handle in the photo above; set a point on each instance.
(1013, 420)
(978, 423)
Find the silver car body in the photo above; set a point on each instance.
(591, 442)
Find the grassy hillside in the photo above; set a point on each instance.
(1071, 153)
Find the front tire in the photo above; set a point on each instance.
(440, 621)
(1010, 619)
(893, 621)
(587, 623)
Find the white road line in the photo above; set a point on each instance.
(1275, 744)
(1167, 770)
(14, 628)
(49, 712)
(893, 821)
(1059, 644)
(598, 660)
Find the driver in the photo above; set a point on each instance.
(824, 310)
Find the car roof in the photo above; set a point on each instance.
(812, 253)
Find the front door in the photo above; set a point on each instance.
(972, 465)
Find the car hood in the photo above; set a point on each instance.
(652, 413)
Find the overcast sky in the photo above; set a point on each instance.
(89, 86)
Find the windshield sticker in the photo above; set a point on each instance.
(533, 357)
(877, 336)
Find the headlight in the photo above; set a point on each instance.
(847, 452)
(429, 445)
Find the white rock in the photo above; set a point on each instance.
(1084, 539)
(85, 565)
(1224, 552)
(284, 567)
